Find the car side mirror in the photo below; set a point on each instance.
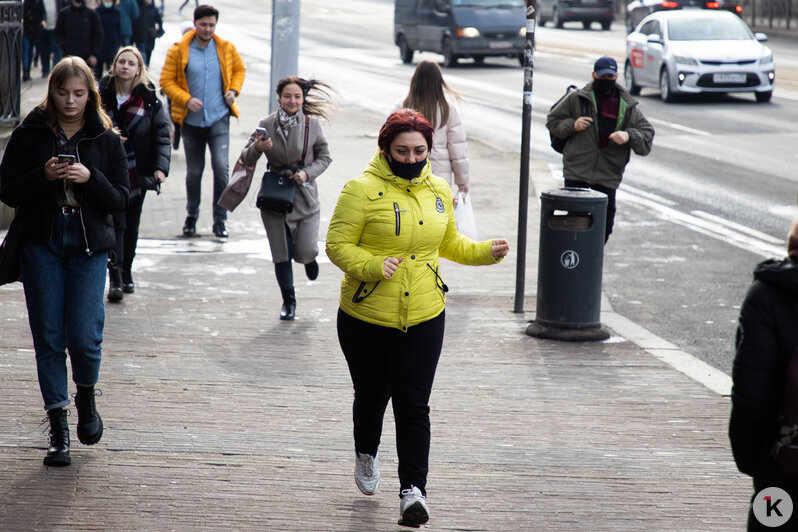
(761, 37)
(654, 39)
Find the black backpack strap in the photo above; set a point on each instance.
(585, 106)
(305, 146)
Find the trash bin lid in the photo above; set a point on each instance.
(573, 194)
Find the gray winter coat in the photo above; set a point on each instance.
(287, 152)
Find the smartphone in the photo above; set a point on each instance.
(63, 158)
(261, 132)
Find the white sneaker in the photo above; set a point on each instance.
(367, 473)
(413, 510)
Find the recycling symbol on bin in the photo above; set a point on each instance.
(569, 259)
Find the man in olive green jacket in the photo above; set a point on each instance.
(598, 146)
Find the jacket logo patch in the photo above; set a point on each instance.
(439, 205)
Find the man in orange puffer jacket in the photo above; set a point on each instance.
(202, 76)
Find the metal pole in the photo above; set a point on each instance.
(285, 44)
(526, 123)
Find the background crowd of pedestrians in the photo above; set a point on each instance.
(93, 30)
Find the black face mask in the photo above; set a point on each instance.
(407, 170)
(603, 87)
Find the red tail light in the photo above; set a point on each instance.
(738, 9)
(669, 5)
(713, 5)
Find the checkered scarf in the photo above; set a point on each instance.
(129, 116)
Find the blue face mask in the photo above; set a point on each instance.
(407, 170)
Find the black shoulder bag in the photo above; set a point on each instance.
(11, 252)
(276, 188)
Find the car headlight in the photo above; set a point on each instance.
(522, 32)
(682, 60)
(767, 59)
(467, 32)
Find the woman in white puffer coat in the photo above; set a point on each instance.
(448, 155)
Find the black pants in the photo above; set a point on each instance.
(132, 222)
(126, 229)
(386, 363)
(610, 192)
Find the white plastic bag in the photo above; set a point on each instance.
(464, 216)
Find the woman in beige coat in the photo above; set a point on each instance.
(294, 235)
(448, 155)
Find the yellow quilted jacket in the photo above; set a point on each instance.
(173, 74)
(380, 215)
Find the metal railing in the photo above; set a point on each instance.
(770, 14)
(10, 61)
(759, 14)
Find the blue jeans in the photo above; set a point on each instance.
(217, 138)
(64, 294)
(47, 46)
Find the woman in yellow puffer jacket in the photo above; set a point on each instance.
(388, 230)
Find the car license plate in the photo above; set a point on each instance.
(728, 78)
(500, 44)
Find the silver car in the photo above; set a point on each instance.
(695, 51)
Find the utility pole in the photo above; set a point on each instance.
(526, 126)
(285, 44)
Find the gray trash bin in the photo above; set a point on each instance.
(570, 262)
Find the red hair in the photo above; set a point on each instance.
(403, 121)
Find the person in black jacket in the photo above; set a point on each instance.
(78, 32)
(32, 17)
(47, 45)
(153, 28)
(139, 37)
(141, 119)
(64, 171)
(110, 20)
(767, 335)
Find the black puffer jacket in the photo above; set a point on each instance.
(151, 140)
(767, 335)
(23, 185)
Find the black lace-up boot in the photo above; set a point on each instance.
(58, 453)
(90, 425)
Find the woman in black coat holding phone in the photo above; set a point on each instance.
(64, 171)
(129, 97)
